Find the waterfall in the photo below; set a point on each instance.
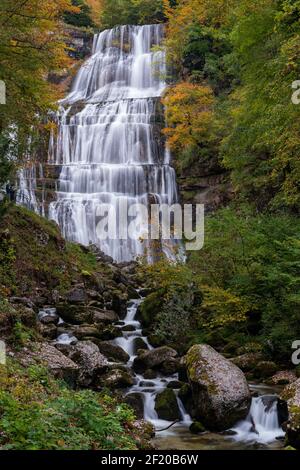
(261, 424)
(108, 143)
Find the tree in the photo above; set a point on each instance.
(130, 12)
(83, 18)
(189, 116)
(32, 43)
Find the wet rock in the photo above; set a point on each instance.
(117, 378)
(135, 400)
(291, 395)
(166, 405)
(82, 331)
(104, 316)
(197, 428)
(91, 362)
(153, 358)
(185, 395)
(220, 392)
(170, 367)
(110, 332)
(74, 314)
(268, 401)
(128, 328)
(119, 302)
(283, 412)
(48, 315)
(175, 384)
(61, 366)
(146, 383)
(113, 352)
(182, 372)
(150, 374)
(139, 345)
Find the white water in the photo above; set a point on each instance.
(261, 424)
(109, 145)
(148, 388)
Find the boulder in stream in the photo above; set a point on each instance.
(113, 351)
(220, 392)
(291, 394)
(166, 405)
(153, 358)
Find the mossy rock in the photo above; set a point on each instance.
(166, 405)
(149, 309)
(197, 427)
(265, 369)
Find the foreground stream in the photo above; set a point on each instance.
(260, 430)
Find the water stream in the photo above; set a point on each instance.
(260, 429)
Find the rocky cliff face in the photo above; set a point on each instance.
(205, 183)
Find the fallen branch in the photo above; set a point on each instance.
(168, 427)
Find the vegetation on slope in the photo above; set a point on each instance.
(38, 412)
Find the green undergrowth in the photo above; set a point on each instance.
(38, 412)
(34, 254)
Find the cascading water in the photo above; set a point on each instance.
(109, 141)
(148, 389)
(262, 424)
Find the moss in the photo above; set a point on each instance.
(33, 254)
(193, 362)
(196, 427)
(150, 308)
(166, 405)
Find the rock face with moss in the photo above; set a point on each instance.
(220, 392)
(291, 394)
(166, 405)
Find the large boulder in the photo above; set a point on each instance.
(90, 361)
(220, 392)
(59, 365)
(166, 405)
(153, 358)
(113, 351)
(291, 394)
(82, 331)
(104, 316)
(74, 314)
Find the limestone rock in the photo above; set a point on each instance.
(220, 392)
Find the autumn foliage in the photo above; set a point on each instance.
(189, 115)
